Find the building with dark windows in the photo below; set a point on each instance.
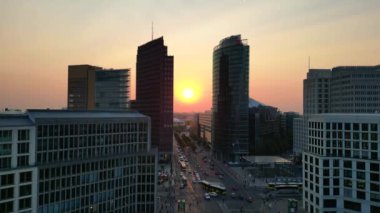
(77, 161)
(316, 91)
(355, 89)
(341, 163)
(91, 87)
(154, 92)
(204, 126)
(230, 98)
(345, 89)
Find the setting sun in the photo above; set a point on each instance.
(188, 93)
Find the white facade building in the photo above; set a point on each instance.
(341, 164)
(77, 161)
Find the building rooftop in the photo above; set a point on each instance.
(231, 41)
(266, 159)
(374, 117)
(14, 120)
(83, 114)
(28, 118)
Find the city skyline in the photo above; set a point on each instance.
(39, 43)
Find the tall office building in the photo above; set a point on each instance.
(346, 89)
(341, 164)
(204, 126)
(154, 92)
(230, 98)
(316, 90)
(91, 87)
(355, 89)
(77, 161)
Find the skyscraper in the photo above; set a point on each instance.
(345, 89)
(154, 91)
(91, 87)
(230, 98)
(316, 90)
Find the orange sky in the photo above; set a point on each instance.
(39, 39)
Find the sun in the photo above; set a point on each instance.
(188, 94)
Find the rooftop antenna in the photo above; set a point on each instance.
(152, 30)
(309, 63)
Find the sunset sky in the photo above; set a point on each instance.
(39, 39)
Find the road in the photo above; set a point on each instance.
(193, 194)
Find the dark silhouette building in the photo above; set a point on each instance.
(154, 92)
(230, 98)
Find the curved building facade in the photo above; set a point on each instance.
(230, 98)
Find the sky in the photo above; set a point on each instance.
(39, 39)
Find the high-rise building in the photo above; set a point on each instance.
(91, 87)
(316, 90)
(346, 89)
(154, 92)
(341, 163)
(230, 98)
(204, 126)
(355, 89)
(71, 161)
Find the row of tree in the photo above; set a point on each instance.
(185, 141)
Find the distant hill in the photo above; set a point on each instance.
(253, 103)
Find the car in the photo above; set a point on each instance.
(249, 199)
(213, 194)
(182, 186)
(233, 195)
(207, 196)
(220, 176)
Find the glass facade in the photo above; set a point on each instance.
(230, 98)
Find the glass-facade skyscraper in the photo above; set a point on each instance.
(230, 98)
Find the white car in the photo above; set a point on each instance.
(213, 194)
(207, 196)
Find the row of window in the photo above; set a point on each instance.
(89, 129)
(6, 135)
(24, 203)
(343, 126)
(7, 180)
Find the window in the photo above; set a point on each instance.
(6, 207)
(25, 177)
(5, 136)
(360, 195)
(6, 193)
(25, 190)
(352, 206)
(22, 148)
(7, 180)
(23, 160)
(24, 203)
(23, 135)
(5, 149)
(330, 203)
(360, 165)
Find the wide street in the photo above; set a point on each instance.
(237, 193)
